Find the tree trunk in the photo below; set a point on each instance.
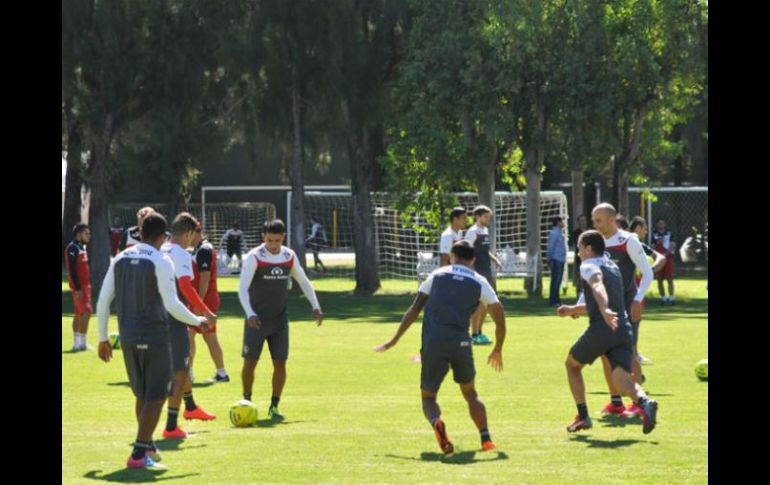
(297, 208)
(632, 140)
(74, 183)
(533, 284)
(578, 202)
(98, 217)
(367, 271)
(620, 187)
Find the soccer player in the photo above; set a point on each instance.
(557, 256)
(664, 242)
(450, 296)
(204, 259)
(141, 278)
(452, 234)
(609, 332)
(79, 279)
(116, 234)
(626, 252)
(316, 241)
(131, 235)
(478, 236)
(182, 232)
(263, 293)
(234, 239)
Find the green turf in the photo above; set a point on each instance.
(354, 416)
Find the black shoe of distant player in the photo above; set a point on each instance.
(650, 416)
(218, 378)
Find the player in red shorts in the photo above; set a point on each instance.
(79, 277)
(116, 234)
(205, 283)
(664, 243)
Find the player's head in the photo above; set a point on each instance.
(462, 253)
(116, 221)
(621, 221)
(183, 229)
(557, 221)
(660, 223)
(482, 214)
(638, 226)
(458, 217)
(81, 233)
(236, 225)
(603, 217)
(153, 229)
(591, 244)
(274, 235)
(142, 213)
(582, 221)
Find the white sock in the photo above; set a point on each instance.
(76, 339)
(79, 340)
(221, 372)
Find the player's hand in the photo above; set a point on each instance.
(210, 317)
(253, 322)
(105, 351)
(385, 346)
(636, 311)
(565, 311)
(610, 318)
(204, 323)
(496, 360)
(319, 316)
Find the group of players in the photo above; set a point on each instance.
(150, 279)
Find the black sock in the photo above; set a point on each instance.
(247, 396)
(616, 401)
(641, 401)
(485, 435)
(173, 413)
(274, 401)
(475, 334)
(582, 410)
(189, 402)
(140, 448)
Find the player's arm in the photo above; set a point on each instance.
(495, 308)
(493, 256)
(313, 232)
(106, 294)
(164, 274)
(224, 237)
(600, 294)
(406, 321)
(636, 253)
(247, 275)
(660, 260)
(204, 260)
(307, 288)
(672, 245)
(123, 240)
(574, 311)
(72, 262)
(444, 248)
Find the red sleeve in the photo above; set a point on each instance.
(192, 296)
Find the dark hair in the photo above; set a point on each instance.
(594, 239)
(463, 250)
(622, 221)
(457, 212)
(276, 226)
(236, 225)
(183, 222)
(78, 228)
(660, 219)
(555, 220)
(480, 210)
(636, 222)
(153, 226)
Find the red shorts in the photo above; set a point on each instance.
(212, 329)
(214, 307)
(668, 269)
(82, 304)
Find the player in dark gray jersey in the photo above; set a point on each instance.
(450, 296)
(609, 332)
(141, 279)
(264, 293)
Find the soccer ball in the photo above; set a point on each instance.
(243, 414)
(115, 341)
(702, 370)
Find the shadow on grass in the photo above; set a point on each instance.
(174, 444)
(596, 443)
(270, 423)
(137, 475)
(122, 384)
(459, 458)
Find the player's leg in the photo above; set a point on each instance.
(217, 356)
(578, 389)
(172, 429)
(76, 333)
(621, 358)
(615, 406)
(434, 367)
(671, 289)
(247, 377)
(661, 290)
(253, 341)
(278, 343)
(84, 319)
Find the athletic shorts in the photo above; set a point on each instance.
(82, 304)
(180, 345)
(438, 357)
(275, 333)
(149, 370)
(596, 341)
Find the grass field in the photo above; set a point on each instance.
(353, 416)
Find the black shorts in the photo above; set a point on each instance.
(149, 370)
(277, 336)
(179, 338)
(628, 300)
(490, 278)
(617, 345)
(231, 251)
(437, 357)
